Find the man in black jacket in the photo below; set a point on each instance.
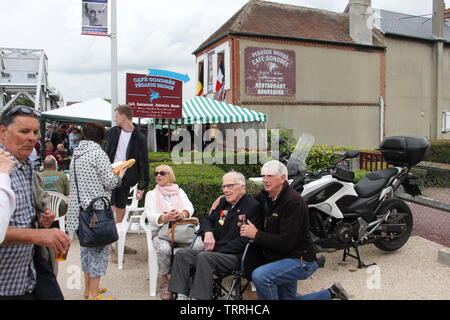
(223, 244)
(286, 242)
(124, 142)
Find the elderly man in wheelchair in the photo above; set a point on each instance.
(193, 271)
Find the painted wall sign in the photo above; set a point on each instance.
(269, 72)
(154, 97)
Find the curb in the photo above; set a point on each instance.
(444, 256)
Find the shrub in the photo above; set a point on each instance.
(201, 182)
(440, 151)
(432, 177)
(285, 134)
(248, 163)
(159, 157)
(321, 156)
(251, 166)
(359, 174)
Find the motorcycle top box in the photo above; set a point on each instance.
(405, 150)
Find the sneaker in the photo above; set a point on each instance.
(321, 261)
(182, 297)
(338, 292)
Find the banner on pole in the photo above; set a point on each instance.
(154, 97)
(94, 19)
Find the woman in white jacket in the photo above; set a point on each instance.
(166, 203)
(91, 176)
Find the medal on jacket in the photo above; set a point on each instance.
(223, 214)
(242, 220)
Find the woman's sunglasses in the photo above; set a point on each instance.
(162, 173)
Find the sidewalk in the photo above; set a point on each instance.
(412, 272)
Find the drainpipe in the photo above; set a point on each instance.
(438, 65)
(381, 119)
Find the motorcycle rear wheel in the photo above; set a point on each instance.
(397, 207)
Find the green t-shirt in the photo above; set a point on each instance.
(56, 181)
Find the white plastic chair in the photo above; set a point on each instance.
(129, 224)
(55, 201)
(152, 257)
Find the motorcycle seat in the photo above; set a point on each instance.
(374, 182)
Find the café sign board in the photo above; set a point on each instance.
(269, 72)
(154, 96)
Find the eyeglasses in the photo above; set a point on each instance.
(162, 173)
(229, 186)
(23, 109)
(19, 109)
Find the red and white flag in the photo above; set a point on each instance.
(220, 83)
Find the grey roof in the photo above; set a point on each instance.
(409, 26)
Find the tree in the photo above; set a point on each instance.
(24, 102)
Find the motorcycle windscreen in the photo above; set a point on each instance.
(297, 160)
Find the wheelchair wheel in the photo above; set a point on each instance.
(217, 289)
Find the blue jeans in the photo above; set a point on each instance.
(278, 280)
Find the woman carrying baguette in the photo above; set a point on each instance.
(166, 203)
(94, 177)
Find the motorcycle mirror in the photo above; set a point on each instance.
(282, 141)
(351, 154)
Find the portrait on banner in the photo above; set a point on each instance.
(94, 15)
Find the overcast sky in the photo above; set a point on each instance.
(151, 34)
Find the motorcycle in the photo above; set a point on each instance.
(344, 215)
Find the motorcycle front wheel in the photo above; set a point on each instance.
(400, 215)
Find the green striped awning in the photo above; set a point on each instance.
(205, 110)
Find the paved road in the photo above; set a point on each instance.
(431, 224)
(409, 273)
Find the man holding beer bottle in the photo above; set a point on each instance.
(19, 132)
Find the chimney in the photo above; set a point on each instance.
(360, 14)
(438, 18)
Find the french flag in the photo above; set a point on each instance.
(220, 77)
(220, 83)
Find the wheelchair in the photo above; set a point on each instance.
(244, 272)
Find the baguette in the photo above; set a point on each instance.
(126, 164)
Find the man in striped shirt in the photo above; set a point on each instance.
(19, 132)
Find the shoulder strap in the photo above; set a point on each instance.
(76, 184)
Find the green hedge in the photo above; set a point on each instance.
(359, 174)
(321, 156)
(201, 182)
(440, 151)
(430, 177)
(248, 163)
(159, 157)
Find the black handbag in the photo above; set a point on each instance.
(47, 287)
(97, 227)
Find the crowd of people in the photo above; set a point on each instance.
(276, 220)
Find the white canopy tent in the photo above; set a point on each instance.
(93, 110)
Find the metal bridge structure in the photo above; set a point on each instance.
(24, 73)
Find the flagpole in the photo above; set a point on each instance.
(114, 80)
